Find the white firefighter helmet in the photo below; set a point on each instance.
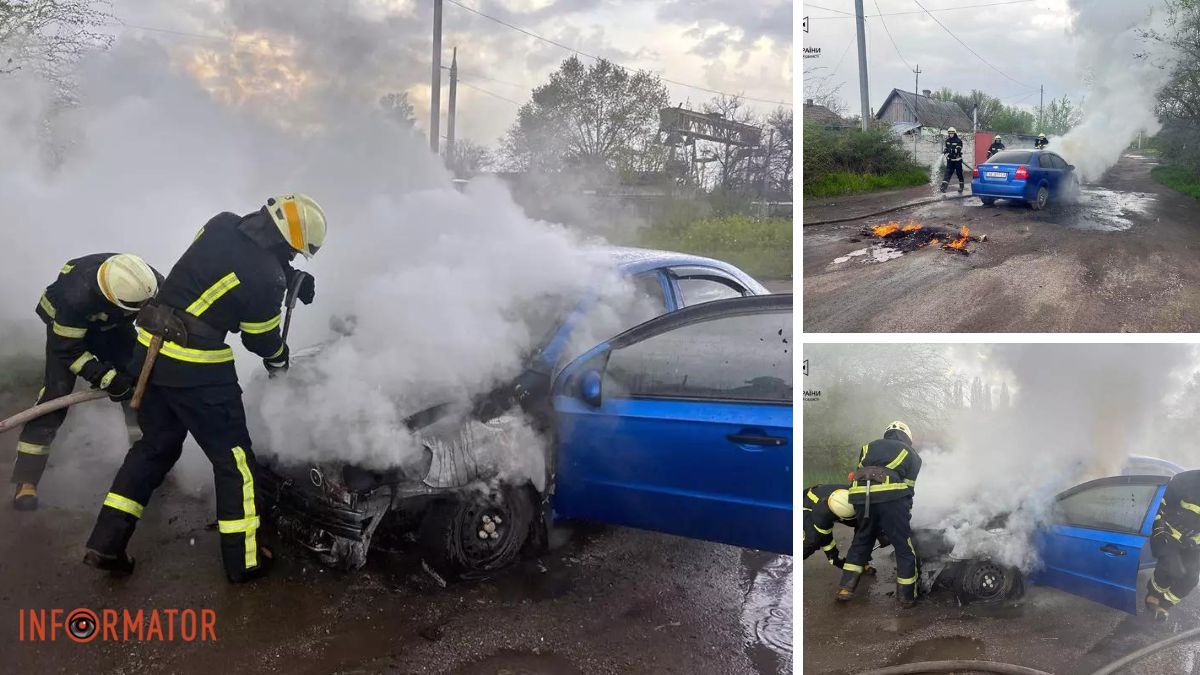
(952, 130)
(998, 137)
(300, 220)
(1041, 135)
(127, 281)
(899, 426)
(839, 503)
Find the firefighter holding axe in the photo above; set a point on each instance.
(233, 278)
(882, 495)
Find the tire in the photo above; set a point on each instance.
(987, 582)
(449, 540)
(1039, 202)
(987, 201)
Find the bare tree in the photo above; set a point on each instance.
(731, 160)
(50, 36)
(782, 160)
(823, 91)
(398, 108)
(469, 158)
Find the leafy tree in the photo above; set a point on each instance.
(469, 158)
(1013, 120)
(398, 108)
(599, 116)
(1179, 100)
(782, 157)
(985, 106)
(1059, 117)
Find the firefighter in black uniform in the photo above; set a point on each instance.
(996, 146)
(882, 494)
(232, 278)
(824, 507)
(953, 150)
(88, 312)
(1040, 142)
(1175, 543)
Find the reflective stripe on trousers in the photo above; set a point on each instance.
(249, 522)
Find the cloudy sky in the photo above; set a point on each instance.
(241, 49)
(1029, 43)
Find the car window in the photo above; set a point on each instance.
(1011, 157)
(633, 302)
(698, 289)
(1117, 508)
(746, 357)
(1046, 161)
(1059, 162)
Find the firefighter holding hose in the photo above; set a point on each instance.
(88, 312)
(826, 506)
(1175, 543)
(882, 495)
(232, 278)
(953, 150)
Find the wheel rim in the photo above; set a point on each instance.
(490, 518)
(1042, 195)
(986, 581)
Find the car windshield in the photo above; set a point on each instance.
(1011, 157)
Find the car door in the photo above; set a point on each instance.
(1048, 171)
(1095, 544)
(684, 425)
(695, 285)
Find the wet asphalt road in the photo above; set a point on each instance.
(607, 600)
(1046, 629)
(1126, 258)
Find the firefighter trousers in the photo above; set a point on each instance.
(216, 419)
(892, 520)
(1177, 571)
(114, 346)
(953, 167)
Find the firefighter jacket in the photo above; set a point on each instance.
(819, 520)
(1041, 143)
(995, 147)
(1179, 513)
(953, 149)
(896, 465)
(74, 305)
(226, 282)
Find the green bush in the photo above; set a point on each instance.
(761, 246)
(1178, 178)
(847, 161)
(845, 183)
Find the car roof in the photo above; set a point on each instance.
(633, 260)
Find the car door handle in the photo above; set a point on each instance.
(756, 439)
(1111, 550)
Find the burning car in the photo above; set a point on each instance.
(648, 429)
(1094, 546)
(1032, 176)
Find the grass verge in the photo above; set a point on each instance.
(1178, 178)
(846, 183)
(760, 246)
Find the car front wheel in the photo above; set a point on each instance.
(1039, 202)
(475, 535)
(986, 582)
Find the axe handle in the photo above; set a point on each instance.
(144, 376)
(49, 407)
(290, 301)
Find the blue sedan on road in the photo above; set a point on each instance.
(1032, 176)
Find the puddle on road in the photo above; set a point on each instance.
(942, 649)
(767, 611)
(1100, 209)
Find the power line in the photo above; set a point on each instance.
(936, 9)
(985, 61)
(597, 58)
(489, 93)
(889, 34)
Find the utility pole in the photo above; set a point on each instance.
(862, 64)
(1041, 96)
(450, 109)
(916, 93)
(435, 94)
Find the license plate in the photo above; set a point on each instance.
(996, 174)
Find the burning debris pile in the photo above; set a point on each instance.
(913, 235)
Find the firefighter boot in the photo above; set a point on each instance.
(944, 184)
(116, 565)
(849, 582)
(960, 187)
(907, 595)
(25, 498)
(1155, 604)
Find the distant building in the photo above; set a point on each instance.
(921, 122)
(821, 116)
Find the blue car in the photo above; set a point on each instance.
(682, 424)
(1094, 546)
(1032, 176)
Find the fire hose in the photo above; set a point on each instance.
(49, 407)
(1007, 668)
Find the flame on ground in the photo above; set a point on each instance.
(893, 227)
(959, 244)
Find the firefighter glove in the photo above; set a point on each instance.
(120, 387)
(279, 364)
(837, 561)
(307, 289)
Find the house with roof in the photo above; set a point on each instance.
(921, 122)
(822, 116)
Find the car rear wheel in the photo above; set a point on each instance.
(1039, 202)
(987, 582)
(475, 535)
(987, 201)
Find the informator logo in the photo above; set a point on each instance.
(804, 367)
(804, 24)
(812, 52)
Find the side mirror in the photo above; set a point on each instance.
(1071, 167)
(589, 388)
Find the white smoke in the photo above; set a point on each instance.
(1079, 411)
(440, 283)
(1124, 87)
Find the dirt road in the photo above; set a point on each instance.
(1047, 629)
(607, 600)
(1125, 258)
